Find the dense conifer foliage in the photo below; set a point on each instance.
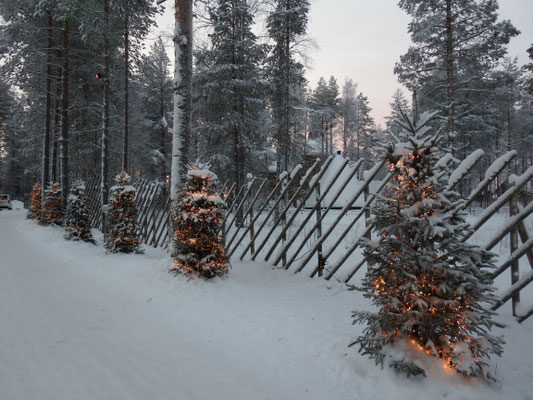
(77, 216)
(429, 286)
(122, 235)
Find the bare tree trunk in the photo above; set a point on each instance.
(414, 106)
(105, 119)
(287, 94)
(54, 165)
(344, 135)
(55, 150)
(450, 78)
(64, 115)
(182, 94)
(126, 94)
(45, 171)
(330, 138)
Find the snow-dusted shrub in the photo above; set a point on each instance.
(122, 233)
(77, 216)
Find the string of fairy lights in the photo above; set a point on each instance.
(35, 209)
(53, 211)
(428, 285)
(197, 223)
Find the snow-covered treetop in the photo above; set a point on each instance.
(199, 185)
(122, 179)
(122, 183)
(78, 185)
(77, 189)
(420, 187)
(203, 172)
(414, 134)
(53, 188)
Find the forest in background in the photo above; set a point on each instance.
(77, 91)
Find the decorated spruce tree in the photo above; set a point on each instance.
(429, 286)
(77, 216)
(35, 209)
(197, 222)
(53, 207)
(122, 235)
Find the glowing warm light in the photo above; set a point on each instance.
(52, 206)
(197, 223)
(36, 202)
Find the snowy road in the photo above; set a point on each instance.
(66, 336)
(77, 324)
(71, 330)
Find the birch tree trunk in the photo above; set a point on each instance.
(56, 137)
(182, 85)
(125, 136)
(287, 94)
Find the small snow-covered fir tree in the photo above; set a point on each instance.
(77, 218)
(429, 285)
(53, 206)
(122, 234)
(35, 209)
(197, 223)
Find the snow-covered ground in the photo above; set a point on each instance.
(79, 324)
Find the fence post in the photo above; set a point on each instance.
(252, 244)
(284, 217)
(513, 237)
(367, 212)
(319, 230)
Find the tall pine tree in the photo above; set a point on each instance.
(456, 43)
(231, 128)
(324, 111)
(155, 93)
(347, 108)
(364, 124)
(286, 24)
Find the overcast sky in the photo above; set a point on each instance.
(363, 39)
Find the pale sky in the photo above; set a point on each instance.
(363, 39)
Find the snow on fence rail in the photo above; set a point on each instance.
(313, 220)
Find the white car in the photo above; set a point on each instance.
(5, 201)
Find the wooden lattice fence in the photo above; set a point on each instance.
(319, 237)
(312, 220)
